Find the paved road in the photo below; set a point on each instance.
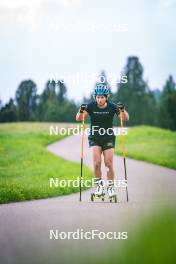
(25, 226)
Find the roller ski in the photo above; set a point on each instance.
(112, 196)
(99, 192)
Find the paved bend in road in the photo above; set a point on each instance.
(25, 226)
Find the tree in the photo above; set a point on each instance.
(136, 95)
(54, 104)
(8, 113)
(167, 105)
(48, 103)
(26, 98)
(62, 92)
(0, 104)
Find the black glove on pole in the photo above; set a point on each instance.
(82, 108)
(120, 107)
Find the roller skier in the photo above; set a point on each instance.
(102, 137)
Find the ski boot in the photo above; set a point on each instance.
(99, 192)
(111, 193)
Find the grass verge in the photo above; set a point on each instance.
(26, 166)
(151, 144)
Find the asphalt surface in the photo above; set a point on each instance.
(25, 226)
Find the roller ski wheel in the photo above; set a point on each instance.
(92, 197)
(98, 197)
(99, 191)
(112, 196)
(113, 199)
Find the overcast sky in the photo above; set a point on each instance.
(36, 40)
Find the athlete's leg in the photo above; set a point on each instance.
(97, 151)
(108, 160)
(96, 154)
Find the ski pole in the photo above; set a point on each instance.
(124, 153)
(82, 152)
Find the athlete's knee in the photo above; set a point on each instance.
(109, 164)
(97, 164)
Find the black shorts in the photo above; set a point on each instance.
(106, 143)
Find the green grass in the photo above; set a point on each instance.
(151, 144)
(26, 166)
(154, 241)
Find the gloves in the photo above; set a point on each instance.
(82, 108)
(120, 107)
